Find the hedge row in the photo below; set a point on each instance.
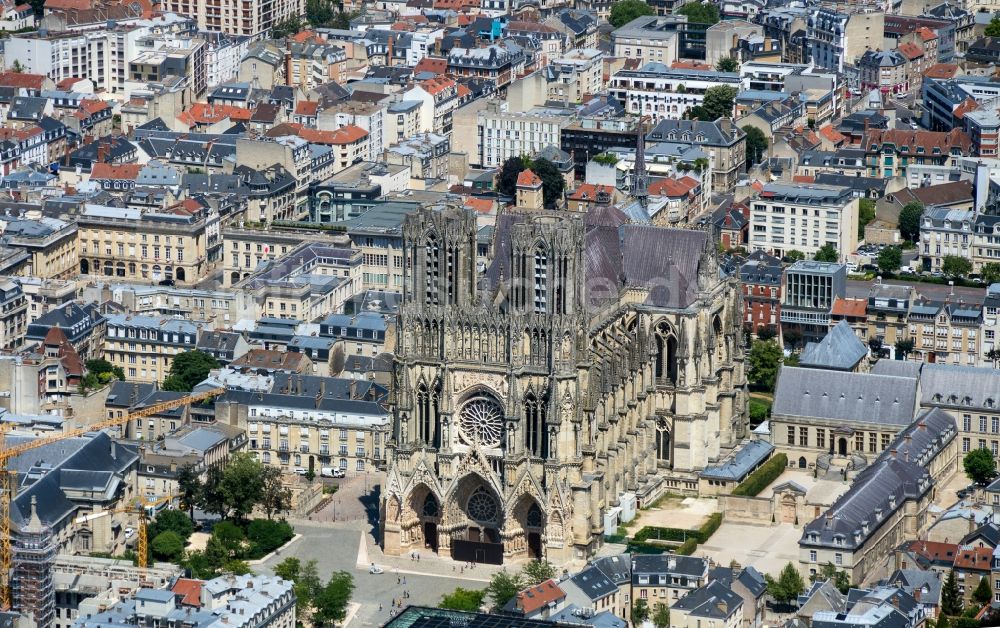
(762, 477)
(656, 533)
(687, 548)
(708, 528)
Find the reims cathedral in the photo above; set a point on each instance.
(540, 376)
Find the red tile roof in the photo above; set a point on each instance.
(68, 82)
(974, 558)
(66, 5)
(969, 104)
(306, 108)
(438, 84)
(344, 135)
(480, 205)
(926, 34)
(942, 71)
(855, 308)
(528, 179)
(929, 140)
(934, 550)
(204, 113)
(589, 192)
(832, 134)
(90, 106)
(534, 598)
(122, 172)
(910, 50)
(189, 590)
(690, 65)
(22, 80)
(673, 187)
(803, 178)
(431, 64)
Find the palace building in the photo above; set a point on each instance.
(590, 362)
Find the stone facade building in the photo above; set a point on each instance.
(581, 367)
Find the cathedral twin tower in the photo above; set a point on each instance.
(589, 358)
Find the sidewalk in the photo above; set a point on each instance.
(430, 564)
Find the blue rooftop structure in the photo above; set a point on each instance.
(744, 462)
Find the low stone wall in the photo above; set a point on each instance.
(306, 498)
(756, 510)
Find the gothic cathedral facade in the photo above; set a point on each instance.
(588, 358)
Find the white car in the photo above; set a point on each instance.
(129, 532)
(331, 472)
(300, 471)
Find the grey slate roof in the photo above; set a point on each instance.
(960, 386)
(840, 350)
(594, 583)
(899, 368)
(712, 601)
(839, 396)
(749, 577)
(672, 564)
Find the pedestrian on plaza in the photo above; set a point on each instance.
(380, 607)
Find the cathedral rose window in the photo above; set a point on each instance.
(483, 506)
(481, 422)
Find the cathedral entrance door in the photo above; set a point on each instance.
(842, 446)
(535, 545)
(431, 535)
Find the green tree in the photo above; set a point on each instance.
(190, 486)
(308, 585)
(840, 578)
(876, 344)
(909, 220)
(700, 13)
(275, 498)
(319, 12)
(289, 569)
(764, 361)
(237, 567)
(983, 594)
(826, 253)
(993, 355)
(890, 259)
(904, 347)
(242, 484)
(503, 587)
(168, 546)
(342, 19)
(17, 68)
(795, 255)
(211, 498)
(717, 103)
(661, 615)
(727, 64)
(942, 621)
(287, 27)
(105, 370)
(470, 600)
(507, 178)
(640, 612)
(993, 28)
(330, 604)
(788, 586)
(627, 10)
(553, 183)
(990, 273)
(171, 521)
(266, 535)
(537, 572)
(229, 541)
(951, 597)
(980, 466)
(189, 369)
(756, 144)
(956, 267)
(866, 214)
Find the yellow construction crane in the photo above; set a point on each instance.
(142, 509)
(8, 484)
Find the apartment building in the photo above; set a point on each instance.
(884, 70)
(837, 39)
(309, 422)
(666, 578)
(252, 19)
(50, 242)
(504, 134)
(804, 218)
(576, 74)
(888, 311)
(13, 315)
(144, 346)
(760, 277)
(246, 248)
(889, 152)
(661, 92)
(946, 333)
(147, 245)
(649, 39)
(723, 142)
(983, 128)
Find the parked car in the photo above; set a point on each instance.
(300, 471)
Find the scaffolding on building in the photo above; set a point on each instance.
(34, 557)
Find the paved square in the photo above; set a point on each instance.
(767, 548)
